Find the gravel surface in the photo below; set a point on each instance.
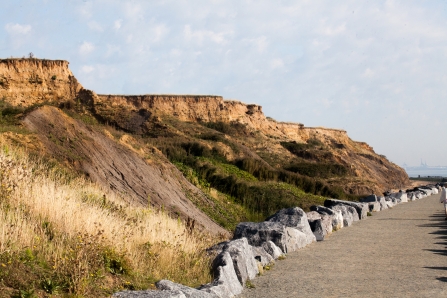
(399, 252)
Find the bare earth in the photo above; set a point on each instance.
(400, 252)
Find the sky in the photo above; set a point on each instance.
(377, 69)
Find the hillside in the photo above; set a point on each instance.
(238, 163)
(106, 192)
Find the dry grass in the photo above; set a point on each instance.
(75, 238)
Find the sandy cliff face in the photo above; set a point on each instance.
(29, 81)
(370, 172)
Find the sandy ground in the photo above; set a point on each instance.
(400, 252)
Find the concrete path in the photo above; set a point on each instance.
(400, 252)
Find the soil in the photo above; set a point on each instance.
(116, 167)
(399, 252)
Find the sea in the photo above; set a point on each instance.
(426, 171)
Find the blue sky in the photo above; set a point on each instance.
(377, 69)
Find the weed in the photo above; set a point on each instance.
(49, 286)
(249, 284)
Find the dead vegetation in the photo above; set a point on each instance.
(61, 234)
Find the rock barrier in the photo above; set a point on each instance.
(256, 245)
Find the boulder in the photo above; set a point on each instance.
(361, 208)
(167, 285)
(272, 249)
(348, 218)
(259, 232)
(225, 283)
(216, 249)
(294, 218)
(150, 294)
(374, 206)
(295, 239)
(262, 256)
(321, 224)
(425, 191)
(244, 262)
(382, 202)
(369, 199)
(335, 215)
(402, 196)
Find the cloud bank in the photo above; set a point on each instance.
(374, 68)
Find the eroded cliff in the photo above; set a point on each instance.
(32, 81)
(218, 144)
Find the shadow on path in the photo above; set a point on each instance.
(438, 221)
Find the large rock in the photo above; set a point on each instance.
(262, 256)
(402, 196)
(226, 283)
(335, 215)
(294, 218)
(244, 262)
(295, 239)
(259, 232)
(382, 202)
(361, 208)
(272, 249)
(374, 206)
(373, 203)
(369, 199)
(167, 285)
(348, 217)
(151, 294)
(321, 224)
(411, 196)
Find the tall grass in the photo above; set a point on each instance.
(68, 236)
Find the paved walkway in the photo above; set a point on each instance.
(400, 252)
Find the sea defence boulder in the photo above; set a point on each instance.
(272, 249)
(286, 238)
(348, 217)
(321, 224)
(167, 285)
(244, 262)
(373, 203)
(382, 202)
(294, 218)
(262, 256)
(225, 283)
(151, 294)
(335, 215)
(361, 208)
(402, 196)
(259, 232)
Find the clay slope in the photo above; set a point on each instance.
(115, 166)
(367, 172)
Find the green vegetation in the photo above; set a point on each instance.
(322, 170)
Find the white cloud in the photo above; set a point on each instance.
(95, 26)
(205, 35)
(277, 63)
(117, 24)
(86, 48)
(368, 73)
(159, 32)
(17, 28)
(87, 69)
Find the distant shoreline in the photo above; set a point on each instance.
(426, 171)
